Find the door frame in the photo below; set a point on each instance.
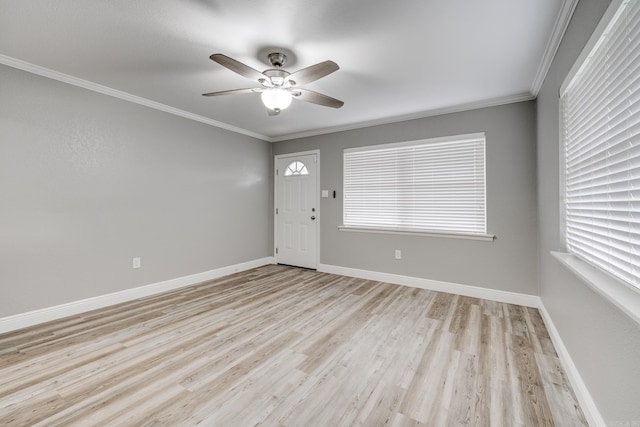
(317, 201)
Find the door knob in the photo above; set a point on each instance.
(313, 217)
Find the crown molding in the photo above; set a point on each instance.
(421, 115)
(559, 28)
(105, 90)
(75, 81)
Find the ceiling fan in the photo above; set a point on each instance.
(278, 86)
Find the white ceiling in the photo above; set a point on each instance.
(398, 59)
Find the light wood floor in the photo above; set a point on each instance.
(283, 346)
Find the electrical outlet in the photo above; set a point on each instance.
(137, 262)
(398, 254)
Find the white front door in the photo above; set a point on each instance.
(297, 210)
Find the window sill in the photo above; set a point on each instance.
(619, 294)
(444, 234)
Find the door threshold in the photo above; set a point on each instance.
(297, 266)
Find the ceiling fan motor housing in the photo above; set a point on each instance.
(277, 76)
(277, 59)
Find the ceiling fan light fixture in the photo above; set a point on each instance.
(276, 98)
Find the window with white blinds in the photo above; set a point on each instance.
(435, 185)
(601, 150)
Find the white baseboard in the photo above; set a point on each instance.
(23, 320)
(435, 285)
(587, 404)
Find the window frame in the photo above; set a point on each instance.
(422, 232)
(623, 295)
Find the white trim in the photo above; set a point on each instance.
(611, 11)
(414, 116)
(435, 285)
(625, 298)
(444, 234)
(562, 178)
(587, 404)
(85, 84)
(47, 314)
(559, 28)
(55, 75)
(275, 199)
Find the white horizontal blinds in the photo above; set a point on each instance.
(436, 185)
(601, 135)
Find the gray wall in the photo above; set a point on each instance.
(88, 181)
(509, 263)
(603, 343)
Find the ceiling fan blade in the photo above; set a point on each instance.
(317, 98)
(313, 73)
(234, 91)
(271, 112)
(237, 67)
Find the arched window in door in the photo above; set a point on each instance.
(296, 168)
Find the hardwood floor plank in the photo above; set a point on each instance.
(464, 401)
(281, 346)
